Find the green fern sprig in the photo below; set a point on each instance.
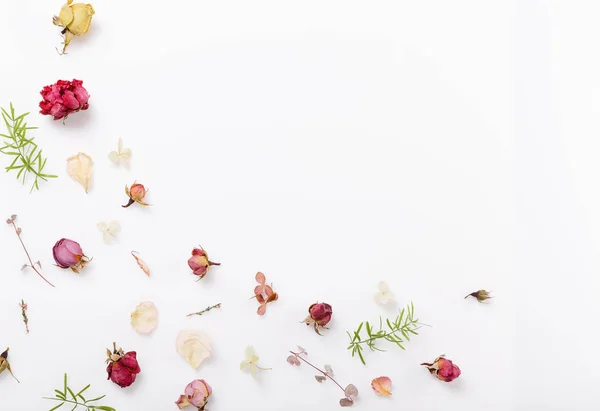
(398, 332)
(68, 396)
(27, 155)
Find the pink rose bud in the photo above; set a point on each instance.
(199, 262)
(319, 315)
(136, 194)
(63, 98)
(122, 367)
(68, 254)
(443, 369)
(196, 394)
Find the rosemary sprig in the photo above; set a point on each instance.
(207, 309)
(27, 155)
(397, 332)
(77, 399)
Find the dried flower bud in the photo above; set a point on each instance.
(68, 254)
(480, 295)
(122, 367)
(4, 365)
(196, 394)
(319, 315)
(76, 20)
(443, 369)
(199, 262)
(136, 194)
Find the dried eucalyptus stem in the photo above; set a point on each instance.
(11, 221)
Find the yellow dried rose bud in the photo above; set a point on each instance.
(76, 20)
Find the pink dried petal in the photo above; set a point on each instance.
(382, 386)
(141, 263)
(260, 278)
(293, 360)
(320, 378)
(346, 402)
(262, 309)
(351, 391)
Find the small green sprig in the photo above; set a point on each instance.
(27, 155)
(77, 399)
(397, 332)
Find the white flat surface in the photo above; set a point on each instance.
(329, 145)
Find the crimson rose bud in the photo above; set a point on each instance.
(63, 98)
(199, 262)
(68, 254)
(123, 367)
(443, 369)
(319, 315)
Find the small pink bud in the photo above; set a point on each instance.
(136, 194)
(319, 315)
(443, 369)
(68, 254)
(199, 262)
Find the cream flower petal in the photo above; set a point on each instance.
(121, 156)
(144, 318)
(79, 168)
(385, 295)
(141, 263)
(109, 230)
(249, 364)
(193, 346)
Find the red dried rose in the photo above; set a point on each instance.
(319, 315)
(122, 367)
(443, 369)
(63, 98)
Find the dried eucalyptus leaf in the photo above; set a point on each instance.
(320, 378)
(345, 402)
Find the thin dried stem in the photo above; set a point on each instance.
(298, 356)
(31, 264)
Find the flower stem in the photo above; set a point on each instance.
(205, 310)
(31, 264)
(297, 355)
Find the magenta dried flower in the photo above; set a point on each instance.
(319, 314)
(68, 254)
(443, 369)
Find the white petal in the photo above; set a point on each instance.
(79, 168)
(120, 145)
(193, 346)
(383, 286)
(114, 227)
(102, 226)
(250, 354)
(145, 317)
(114, 157)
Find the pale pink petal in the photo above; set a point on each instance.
(141, 263)
(382, 386)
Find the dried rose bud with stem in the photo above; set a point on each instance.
(199, 262)
(319, 315)
(480, 295)
(11, 221)
(350, 392)
(4, 364)
(136, 194)
(122, 367)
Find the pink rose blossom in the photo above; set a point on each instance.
(319, 315)
(199, 262)
(63, 98)
(122, 367)
(68, 254)
(443, 369)
(196, 394)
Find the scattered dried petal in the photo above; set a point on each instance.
(320, 378)
(351, 391)
(193, 346)
(79, 168)
(382, 386)
(144, 318)
(346, 402)
(141, 263)
(293, 360)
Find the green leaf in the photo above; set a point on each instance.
(57, 407)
